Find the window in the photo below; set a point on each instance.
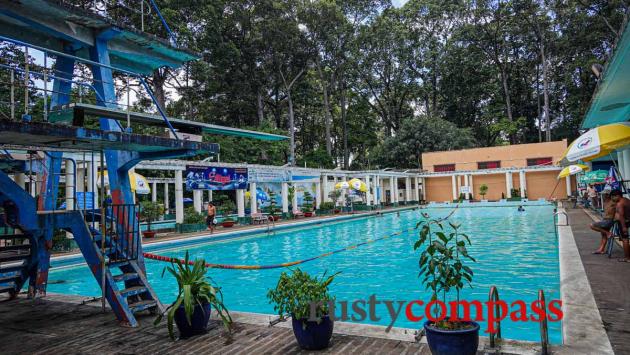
(443, 168)
(488, 164)
(539, 161)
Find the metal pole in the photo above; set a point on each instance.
(26, 75)
(12, 94)
(103, 234)
(128, 114)
(142, 15)
(45, 87)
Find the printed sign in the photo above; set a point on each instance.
(268, 175)
(464, 189)
(215, 178)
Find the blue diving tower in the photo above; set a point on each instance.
(107, 233)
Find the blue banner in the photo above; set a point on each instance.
(215, 178)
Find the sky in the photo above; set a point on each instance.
(399, 3)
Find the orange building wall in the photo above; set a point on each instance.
(495, 182)
(439, 189)
(540, 184)
(509, 155)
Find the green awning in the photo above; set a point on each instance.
(611, 102)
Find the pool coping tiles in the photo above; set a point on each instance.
(583, 331)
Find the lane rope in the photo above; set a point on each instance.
(292, 263)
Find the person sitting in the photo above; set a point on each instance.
(622, 216)
(605, 225)
(521, 209)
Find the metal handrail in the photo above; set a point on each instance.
(494, 297)
(544, 331)
(555, 220)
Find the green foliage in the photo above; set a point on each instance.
(295, 292)
(225, 205)
(150, 211)
(327, 206)
(193, 217)
(273, 205)
(194, 288)
(483, 190)
(308, 202)
(335, 195)
(442, 260)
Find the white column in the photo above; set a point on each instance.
(508, 184)
(522, 182)
(454, 185)
(318, 194)
(80, 179)
(209, 195)
(154, 192)
(252, 197)
(368, 194)
(70, 190)
(285, 197)
(378, 192)
(295, 201)
(417, 189)
(568, 182)
(166, 201)
(197, 200)
(626, 163)
(381, 181)
(407, 189)
(179, 197)
(466, 195)
(92, 178)
(240, 202)
(424, 188)
(325, 190)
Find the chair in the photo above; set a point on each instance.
(258, 218)
(615, 234)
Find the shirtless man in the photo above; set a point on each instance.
(212, 211)
(623, 217)
(605, 225)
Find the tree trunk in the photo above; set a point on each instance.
(327, 114)
(344, 122)
(159, 77)
(259, 106)
(508, 102)
(291, 130)
(543, 58)
(538, 103)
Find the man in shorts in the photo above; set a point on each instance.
(212, 211)
(622, 216)
(605, 225)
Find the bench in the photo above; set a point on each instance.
(258, 218)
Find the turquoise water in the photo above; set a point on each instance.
(517, 252)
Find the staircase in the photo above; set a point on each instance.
(113, 252)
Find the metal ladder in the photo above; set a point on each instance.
(544, 331)
(494, 297)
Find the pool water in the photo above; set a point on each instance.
(516, 251)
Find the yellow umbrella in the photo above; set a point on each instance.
(572, 170)
(598, 142)
(139, 183)
(358, 185)
(342, 185)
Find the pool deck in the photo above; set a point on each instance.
(608, 279)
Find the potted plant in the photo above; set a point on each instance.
(335, 195)
(307, 208)
(293, 295)
(291, 196)
(483, 190)
(442, 271)
(228, 222)
(193, 221)
(149, 212)
(273, 206)
(196, 297)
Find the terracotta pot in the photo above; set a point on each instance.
(149, 234)
(228, 224)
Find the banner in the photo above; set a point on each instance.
(268, 175)
(215, 178)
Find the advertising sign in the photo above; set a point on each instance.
(215, 178)
(268, 175)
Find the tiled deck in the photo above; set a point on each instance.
(609, 280)
(57, 326)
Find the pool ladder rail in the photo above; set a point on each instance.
(556, 220)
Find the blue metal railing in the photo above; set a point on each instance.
(93, 63)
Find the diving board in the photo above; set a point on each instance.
(76, 112)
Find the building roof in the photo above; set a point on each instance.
(611, 101)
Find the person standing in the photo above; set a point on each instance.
(212, 212)
(623, 218)
(592, 195)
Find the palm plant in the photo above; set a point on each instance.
(195, 289)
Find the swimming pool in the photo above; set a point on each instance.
(517, 252)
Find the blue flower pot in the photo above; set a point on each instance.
(198, 321)
(314, 336)
(452, 342)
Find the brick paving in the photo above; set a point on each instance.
(609, 279)
(55, 326)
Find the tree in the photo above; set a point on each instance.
(483, 190)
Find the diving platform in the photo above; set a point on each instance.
(62, 25)
(75, 114)
(70, 138)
